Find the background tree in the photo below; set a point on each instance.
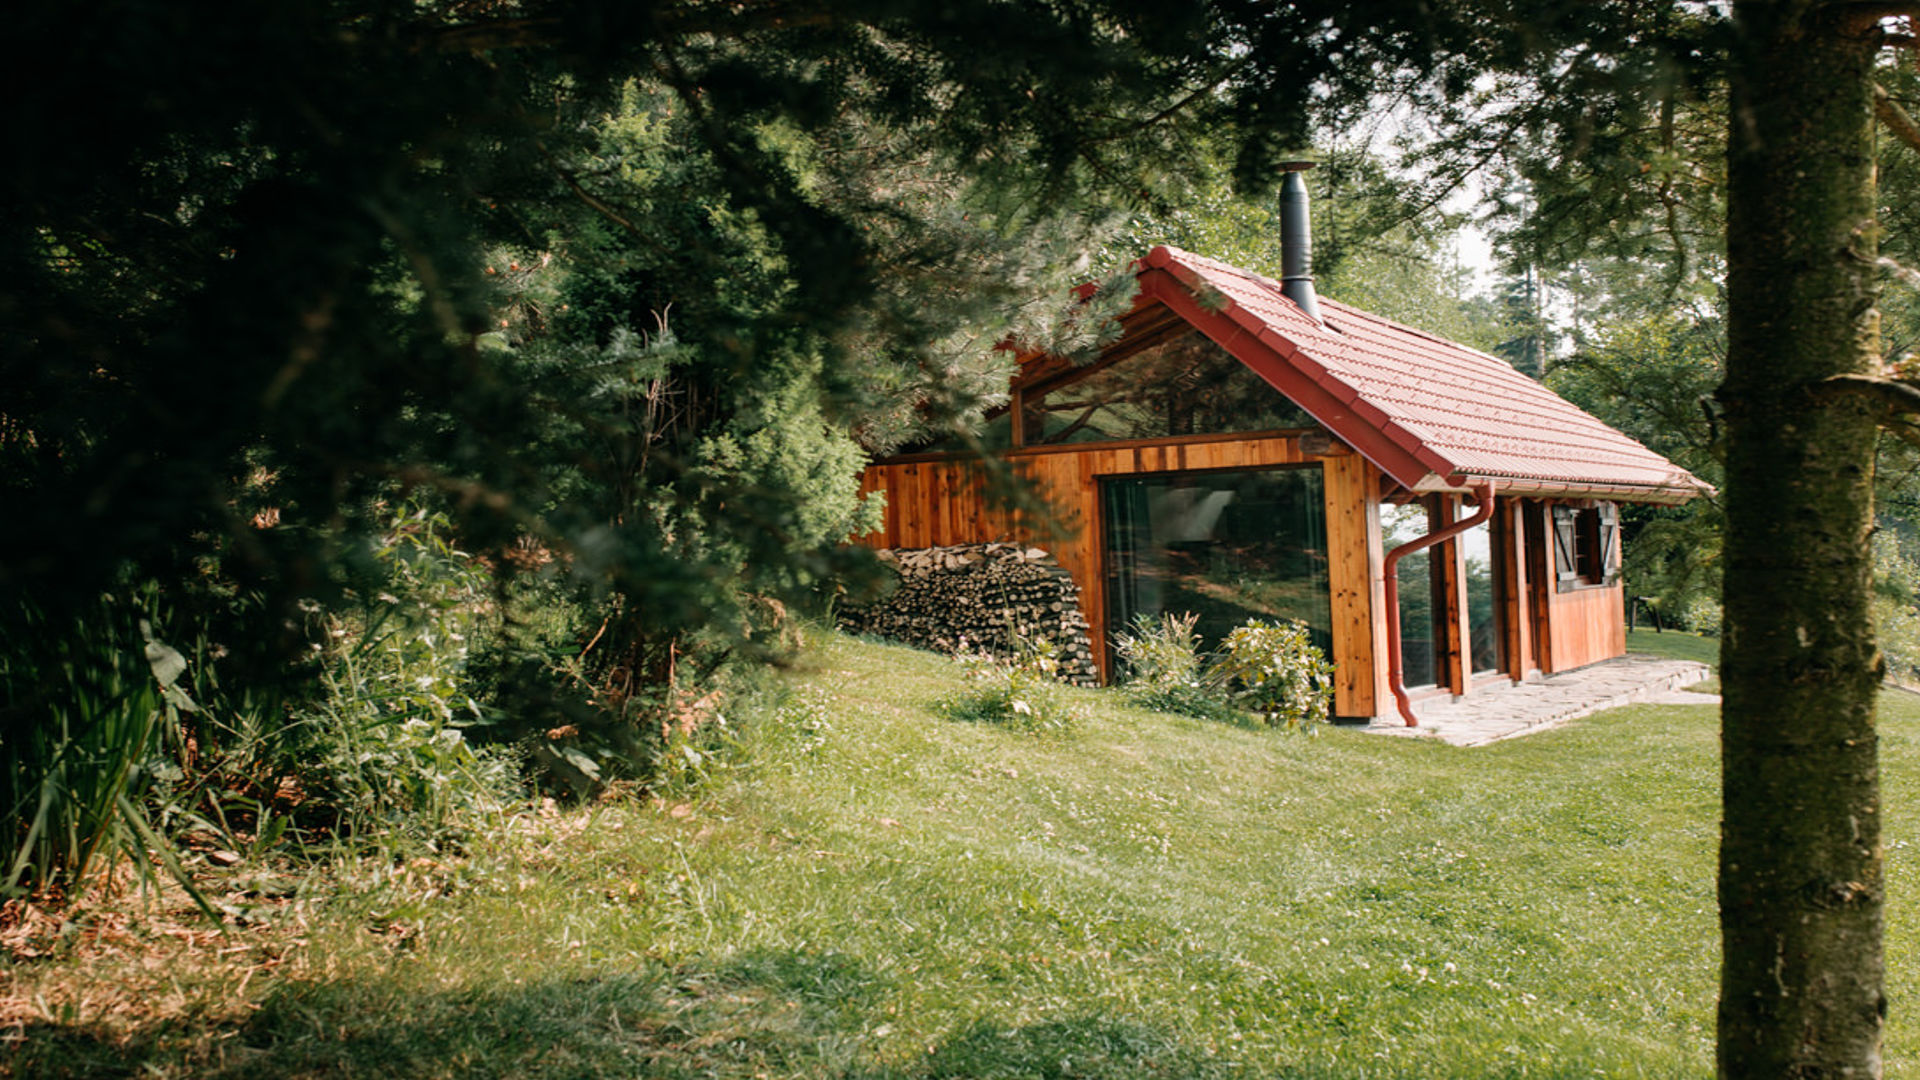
(1653, 377)
(616, 282)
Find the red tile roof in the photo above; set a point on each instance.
(1430, 413)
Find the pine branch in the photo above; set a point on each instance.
(597, 204)
(1895, 118)
(487, 36)
(1515, 121)
(1177, 106)
(681, 21)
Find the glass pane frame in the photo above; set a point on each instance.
(1425, 647)
(1171, 384)
(1227, 544)
(1484, 579)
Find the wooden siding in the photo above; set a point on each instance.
(1355, 585)
(939, 501)
(935, 501)
(1538, 541)
(1586, 625)
(1451, 650)
(1509, 541)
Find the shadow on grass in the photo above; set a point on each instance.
(766, 1014)
(787, 1013)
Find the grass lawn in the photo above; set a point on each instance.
(1677, 644)
(1680, 645)
(872, 892)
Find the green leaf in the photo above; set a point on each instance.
(587, 766)
(178, 697)
(165, 660)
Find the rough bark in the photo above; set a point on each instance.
(1800, 864)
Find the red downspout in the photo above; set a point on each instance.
(1482, 491)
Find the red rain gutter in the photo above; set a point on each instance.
(1395, 676)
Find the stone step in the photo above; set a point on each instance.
(1492, 714)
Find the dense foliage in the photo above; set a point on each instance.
(1278, 673)
(612, 289)
(623, 289)
(1021, 691)
(1166, 668)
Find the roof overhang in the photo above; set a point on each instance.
(1403, 455)
(1668, 495)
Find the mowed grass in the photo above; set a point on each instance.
(874, 892)
(1677, 644)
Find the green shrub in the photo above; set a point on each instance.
(384, 750)
(600, 698)
(1022, 691)
(1168, 672)
(1702, 615)
(1896, 608)
(1280, 674)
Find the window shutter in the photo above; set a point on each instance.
(1566, 569)
(1610, 542)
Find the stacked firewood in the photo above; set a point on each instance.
(989, 596)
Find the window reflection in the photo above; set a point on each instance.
(1227, 546)
(1421, 610)
(1184, 385)
(1487, 643)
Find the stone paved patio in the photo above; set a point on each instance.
(1509, 712)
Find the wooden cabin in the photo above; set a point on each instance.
(1238, 453)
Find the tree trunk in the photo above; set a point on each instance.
(1800, 872)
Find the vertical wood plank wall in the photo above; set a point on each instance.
(1586, 625)
(1354, 582)
(1509, 541)
(1457, 676)
(938, 501)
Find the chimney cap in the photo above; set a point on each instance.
(1296, 166)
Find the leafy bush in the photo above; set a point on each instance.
(1281, 675)
(600, 698)
(1167, 671)
(1896, 608)
(1702, 615)
(1022, 691)
(384, 748)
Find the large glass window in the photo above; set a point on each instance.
(1422, 608)
(1227, 546)
(1486, 622)
(1182, 385)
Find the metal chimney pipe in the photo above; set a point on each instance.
(1296, 240)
